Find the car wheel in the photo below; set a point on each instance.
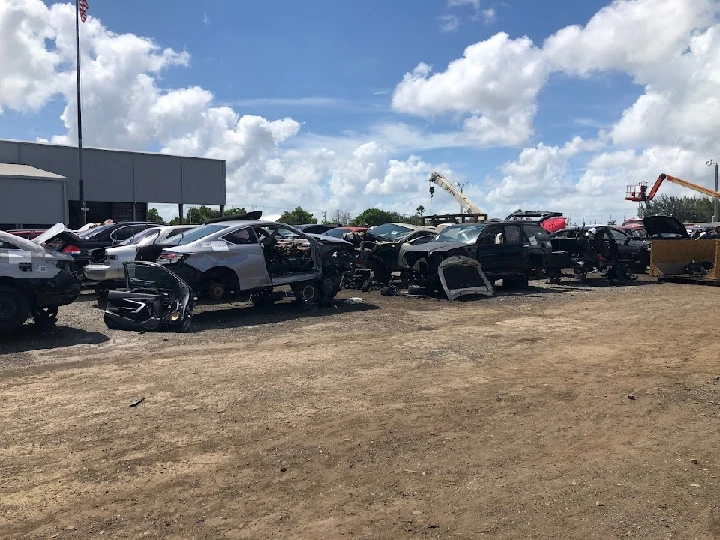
(329, 286)
(263, 298)
(216, 291)
(46, 316)
(101, 290)
(382, 274)
(185, 325)
(516, 282)
(14, 309)
(306, 292)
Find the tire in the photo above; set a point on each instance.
(307, 292)
(516, 282)
(47, 316)
(101, 290)
(185, 325)
(14, 308)
(216, 291)
(329, 286)
(263, 298)
(382, 274)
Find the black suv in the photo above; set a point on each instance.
(513, 251)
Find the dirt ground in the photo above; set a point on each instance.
(565, 413)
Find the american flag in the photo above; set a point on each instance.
(84, 6)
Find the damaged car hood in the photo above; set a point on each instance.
(664, 226)
(57, 231)
(430, 247)
(324, 239)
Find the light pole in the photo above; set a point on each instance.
(716, 213)
(461, 186)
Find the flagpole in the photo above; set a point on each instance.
(83, 208)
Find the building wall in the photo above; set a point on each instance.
(124, 177)
(33, 200)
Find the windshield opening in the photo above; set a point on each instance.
(390, 231)
(337, 233)
(193, 234)
(145, 237)
(90, 233)
(467, 234)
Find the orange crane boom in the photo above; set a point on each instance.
(639, 193)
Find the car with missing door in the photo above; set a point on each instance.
(514, 251)
(250, 258)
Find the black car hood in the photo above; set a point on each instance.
(659, 225)
(429, 247)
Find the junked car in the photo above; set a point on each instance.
(632, 251)
(602, 250)
(249, 258)
(513, 251)
(110, 270)
(381, 245)
(154, 299)
(91, 243)
(34, 281)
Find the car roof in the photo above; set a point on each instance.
(413, 227)
(234, 222)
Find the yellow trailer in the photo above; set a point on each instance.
(670, 257)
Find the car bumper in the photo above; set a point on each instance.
(103, 272)
(61, 290)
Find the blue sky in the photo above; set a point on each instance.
(333, 66)
(275, 59)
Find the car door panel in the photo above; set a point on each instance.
(245, 256)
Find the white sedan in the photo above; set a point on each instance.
(111, 269)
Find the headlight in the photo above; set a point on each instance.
(175, 316)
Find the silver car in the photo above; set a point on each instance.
(111, 269)
(251, 258)
(34, 281)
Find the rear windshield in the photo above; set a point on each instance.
(193, 234)
(143, 237)
(536, 231)
(95, 231)
(337, 233)
(390, 231)
(460, 233)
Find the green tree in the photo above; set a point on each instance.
(297, 217)
(374, 216)
(687, 209)
(420, 211)
(154, 217)
(201, 214)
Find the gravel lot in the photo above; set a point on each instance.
(564, 412)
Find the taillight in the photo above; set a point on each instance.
(169, 258)
(72, 250)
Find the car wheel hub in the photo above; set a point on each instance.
(308, 292)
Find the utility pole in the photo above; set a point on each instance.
(324, 216)
(81, 7)
(716, 206)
